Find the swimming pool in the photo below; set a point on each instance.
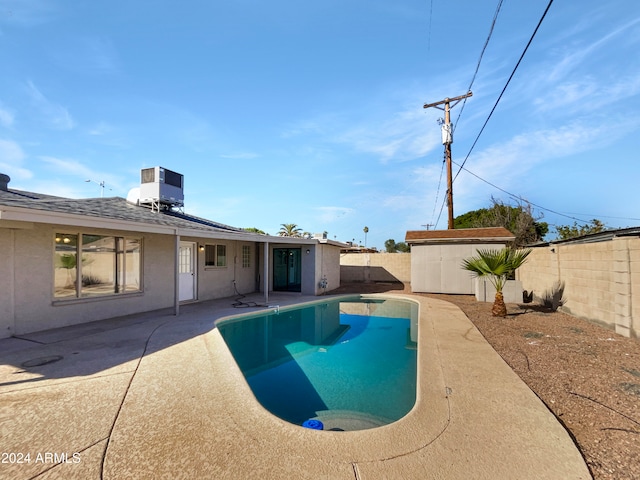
(350, 363)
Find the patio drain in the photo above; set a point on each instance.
(36, 362)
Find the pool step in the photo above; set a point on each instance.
(348, 420)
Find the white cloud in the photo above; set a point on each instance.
(509, 165)
(6, 117)
(405, 136)
(331, 214)
(524, 151)
(580, 53)
(100, 129)
(10, 152)
(100, 55)
(88, 55)
(71, 167)
(586, 95)
(68, 166)
(56, 115)
(11, 158)
(27, 14)
(399, 136)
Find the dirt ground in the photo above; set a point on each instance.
(587, 375)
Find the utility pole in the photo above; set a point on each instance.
(447, 140)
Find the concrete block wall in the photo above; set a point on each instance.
(601, 280)
(634, 278)
(375, 267)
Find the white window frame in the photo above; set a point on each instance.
(246, 256)
(212, 256)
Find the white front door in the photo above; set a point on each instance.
(187, 271)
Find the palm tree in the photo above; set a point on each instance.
(289, 230)
(68, 262)
(254, 230)
(498, 265)
(365, 230)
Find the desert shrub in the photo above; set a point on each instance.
(554, 297)
(91, 280)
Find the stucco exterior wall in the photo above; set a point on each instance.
(322, 261)
(7, 324)
(27, 276)
(328, 268)
(28, 304)
(217, 282)
(375, 267)
(601, 280)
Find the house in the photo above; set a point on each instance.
(437, 255)
(70, 261)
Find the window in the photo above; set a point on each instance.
(246, 256)
(108, 265)
(185, 264)
(215, 256)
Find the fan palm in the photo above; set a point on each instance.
(68, 262)
(289, 230)
(497, 265)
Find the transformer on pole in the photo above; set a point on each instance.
(447, 140)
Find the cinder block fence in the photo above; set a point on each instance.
(375, 267)
(600, 280)
(599, 277)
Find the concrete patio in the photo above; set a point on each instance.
(160, 396)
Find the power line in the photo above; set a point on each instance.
(475, 74)
(496, 105)
(486, 43)
(505, 87)
(447, 139)
(540, 207)
(604, 216)
(512, 195)
(518, 197)
(435, 205)
(430, 18)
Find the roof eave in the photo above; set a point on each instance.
(425, 241)
(27, 215)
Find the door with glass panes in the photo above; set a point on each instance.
(287, 269)
(186, 271)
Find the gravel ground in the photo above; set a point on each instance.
(587, 375)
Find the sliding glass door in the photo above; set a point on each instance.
(287, 269)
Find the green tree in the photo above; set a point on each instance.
(390, 245)
(289, 230)
(565, 231)
(254, 230)
(497, 265)
(519, 220)
(403, 247)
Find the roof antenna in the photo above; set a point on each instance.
(102, 185)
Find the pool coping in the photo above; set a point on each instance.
(177, 406)
(428, 383)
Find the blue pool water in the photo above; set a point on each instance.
(350, 364)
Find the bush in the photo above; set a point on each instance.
(554, 297)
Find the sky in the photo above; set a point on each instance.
(313, 112)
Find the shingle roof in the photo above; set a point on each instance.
(114, 208)
(460, 234)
